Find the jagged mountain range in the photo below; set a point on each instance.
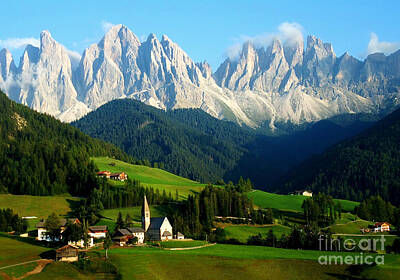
(263, 86)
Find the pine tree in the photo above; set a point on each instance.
(120, 221)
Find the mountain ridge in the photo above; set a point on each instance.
(283, 82)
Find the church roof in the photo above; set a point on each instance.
(155, 223)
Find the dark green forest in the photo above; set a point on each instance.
(39, 155)
(365, 165)
(193, 144)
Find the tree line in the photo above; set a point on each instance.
(377, 209)
(10, 221)
(42, 156)
(320, 210)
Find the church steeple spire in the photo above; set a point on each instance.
(145, 214)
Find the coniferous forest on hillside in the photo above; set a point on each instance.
(195, 145)
(42, 156)
(365, 165)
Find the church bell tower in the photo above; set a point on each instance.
(145, 215)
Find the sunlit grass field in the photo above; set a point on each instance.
(289, 202)
(148, 176)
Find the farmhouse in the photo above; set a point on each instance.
(155, 228)
(304, 192)
(67, 253)
(41, 229)
(98, 231)
(119, 176)
(180, 236)
(41, 232)
(137, 232)
(105, 174)
(124, 235)
(381, 227)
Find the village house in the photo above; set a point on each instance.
(179, 236)
(41, 229)
(42, 236)
(67, 253)
(304, 193)
(137, 232)
(98, 232)
(118, 176)
(124, 235)
(381, 227)
(155, 228)
(105, 174)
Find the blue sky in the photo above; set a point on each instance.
(204, 29)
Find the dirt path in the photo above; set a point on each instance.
(41, 263)
(38, 268)
(190, 248)
(4, 267)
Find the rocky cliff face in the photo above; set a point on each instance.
(275, 83)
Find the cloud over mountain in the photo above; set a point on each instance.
(18, 43)
(375, 46)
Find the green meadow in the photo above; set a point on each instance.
(350, 227)
(148, 176)
(213, 262)
(242, 233)
(64, 271)
(230, 262)
(38, 206)
(289, 202)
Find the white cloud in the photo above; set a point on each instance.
(375, 45)
(19, 43)
(288, 33)
(75, 58)
(106, 25)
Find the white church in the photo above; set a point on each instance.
(155, 228)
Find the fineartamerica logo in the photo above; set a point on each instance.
(350, 245)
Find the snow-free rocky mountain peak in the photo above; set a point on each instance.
(277, 83)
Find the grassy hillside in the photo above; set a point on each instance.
(64, 271)
(242, 233)
(13, 252)
(289, 202)
(154, 177)
(229, 262)
(38, 206)
(350, 227)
